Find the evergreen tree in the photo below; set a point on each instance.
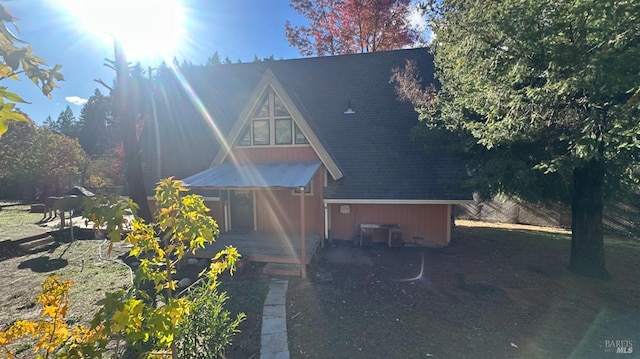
(66, 123)
(214, 60)
(96, 125)
(545, 89)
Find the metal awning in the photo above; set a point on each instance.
(291, 174)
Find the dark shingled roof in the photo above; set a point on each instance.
(372, 147)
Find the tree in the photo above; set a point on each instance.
(132, 96)
(19, 60)
(56, 338)
(351, 26)
(545, 89)
(35, 156)
(214, 60)
(66, 123)
(180, 226)
(95, 135)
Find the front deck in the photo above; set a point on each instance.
(259, 246)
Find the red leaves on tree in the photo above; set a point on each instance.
(352, 26)
(117, 169)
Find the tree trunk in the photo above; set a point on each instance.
(133, 170)
(127, 114)
(587, 246)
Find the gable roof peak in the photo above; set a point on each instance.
(269, 80)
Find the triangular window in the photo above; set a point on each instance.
(263, 109)
(280, 109)
(245, 137)
(271, 124)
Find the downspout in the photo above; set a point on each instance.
(303, 239)
(326, 222)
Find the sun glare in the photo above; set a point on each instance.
(147, 29)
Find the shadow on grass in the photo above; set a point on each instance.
(43, 264)
(9, 249)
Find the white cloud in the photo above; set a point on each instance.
(418, 21)
(79, 101)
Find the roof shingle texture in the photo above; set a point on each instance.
(372, 147)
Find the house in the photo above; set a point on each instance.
(314, 145)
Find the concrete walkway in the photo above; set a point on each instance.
(273, 342)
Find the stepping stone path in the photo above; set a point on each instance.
(274, 342)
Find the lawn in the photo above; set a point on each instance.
(496, 292)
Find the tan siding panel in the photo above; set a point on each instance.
(279, 209)
(273, 153)
(416, 220)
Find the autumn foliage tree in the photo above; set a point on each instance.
(33, 155)
(352, 26)
(54, 336)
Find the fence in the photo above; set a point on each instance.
(618, 218)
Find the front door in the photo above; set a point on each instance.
(241, 203)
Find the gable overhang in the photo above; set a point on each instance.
(269, 80)
(260, 175)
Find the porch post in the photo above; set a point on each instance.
(303, 245)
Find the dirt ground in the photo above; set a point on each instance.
(496, 292)
(501, 292)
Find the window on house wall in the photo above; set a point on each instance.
(300, 138)
(245, 137)
(279, 108)
(307, 189)
(283, 131)
(271, 124)
(263, 109)
(260, 132)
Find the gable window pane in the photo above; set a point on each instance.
(263, 109)
(279, 108)
(261, 132)
(283, 132)
(300, 138)
(245, 138)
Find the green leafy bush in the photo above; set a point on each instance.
(208, 328)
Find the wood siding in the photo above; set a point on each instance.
(421, 224)
(272, 153)
(278, 210)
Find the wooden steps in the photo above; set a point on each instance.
(282, 269)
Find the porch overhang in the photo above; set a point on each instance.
(280, 174)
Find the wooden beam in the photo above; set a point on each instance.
(303, 239)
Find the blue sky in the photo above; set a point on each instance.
(239, 29)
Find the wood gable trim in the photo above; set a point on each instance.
(269, 79)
